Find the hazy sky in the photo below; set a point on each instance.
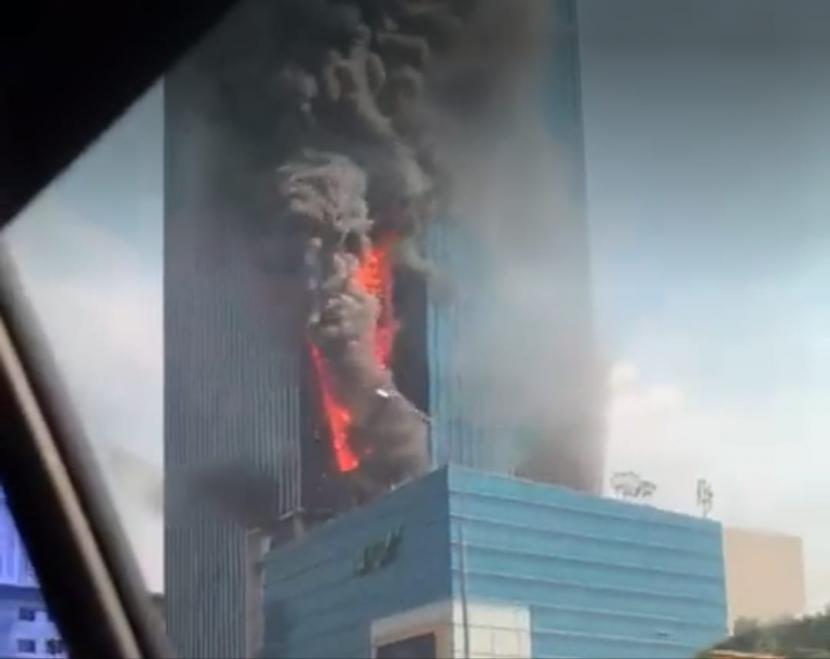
(708, 152)
(89, 252)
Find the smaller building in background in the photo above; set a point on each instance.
(734, 654)
(26, 628)
(764, 575)
(467, 564)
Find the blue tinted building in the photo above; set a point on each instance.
(463, 563)
(26, 628)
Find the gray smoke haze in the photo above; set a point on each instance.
(425, 109)
(513, 188)
(362, 101)
(326, 194)
(131, 475)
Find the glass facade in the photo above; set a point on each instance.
(505, 567)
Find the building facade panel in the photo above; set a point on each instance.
(232, 391)
(322, 590)
(652, 603)
(531, 595)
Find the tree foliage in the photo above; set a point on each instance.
(803, 638)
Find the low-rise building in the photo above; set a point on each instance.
(467, 564)
(764, 575)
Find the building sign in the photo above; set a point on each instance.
(379, 554)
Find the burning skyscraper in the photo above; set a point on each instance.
(376, 262)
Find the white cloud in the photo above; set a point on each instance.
(766, 460)
(623, 375)
(100, 311)
(89, 252)
(631, 402)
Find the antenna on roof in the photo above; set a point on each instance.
(705, 497)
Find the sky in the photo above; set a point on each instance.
(707, 154)
(89, 254)
(707, 151)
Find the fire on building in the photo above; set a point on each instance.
(375, 232)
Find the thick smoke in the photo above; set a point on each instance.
(470, 77)
(325, 194)
(364, 176)
(360, 122)
(517, 193)
(140, 480)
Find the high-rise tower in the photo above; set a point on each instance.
(244, 426)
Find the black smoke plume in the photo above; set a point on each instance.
(362, 121)
(362, 169)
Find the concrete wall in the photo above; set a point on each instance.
(491, 630)
(764, 574)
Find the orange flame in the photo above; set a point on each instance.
(373, 275)
(338, 417)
